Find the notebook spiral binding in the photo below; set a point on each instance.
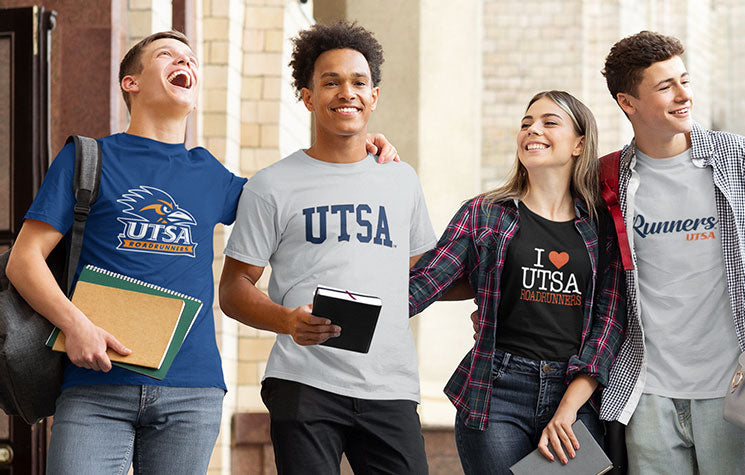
(101, 270)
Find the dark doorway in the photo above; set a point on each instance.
(24, 157)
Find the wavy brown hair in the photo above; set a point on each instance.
(628, 58)
(584, 184)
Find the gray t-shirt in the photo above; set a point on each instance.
(350, 226)
(688, 329)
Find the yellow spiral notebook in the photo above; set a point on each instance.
(151, 321)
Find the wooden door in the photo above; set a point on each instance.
(24, 157)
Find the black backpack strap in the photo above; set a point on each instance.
(87, 177)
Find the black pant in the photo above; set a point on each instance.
(310, 429)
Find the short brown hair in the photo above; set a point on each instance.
(132, 62)
(629, 57)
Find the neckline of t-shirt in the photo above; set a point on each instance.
(668, 162)
(139, 140)
(338, 166)
(523, 207)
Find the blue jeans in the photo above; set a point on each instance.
(683, 437)
(525, 395)
(156, 429)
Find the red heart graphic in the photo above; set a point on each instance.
(558, 259)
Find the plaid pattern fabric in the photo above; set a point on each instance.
(474, 246)
(725, 153)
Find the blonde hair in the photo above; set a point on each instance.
(584, 183)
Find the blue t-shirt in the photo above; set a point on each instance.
(154, 220)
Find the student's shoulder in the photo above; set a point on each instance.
(402, 172)
(202, 157)
(279, 175)
(727, 143)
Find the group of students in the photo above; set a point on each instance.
(562, 331)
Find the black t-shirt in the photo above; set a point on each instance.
(544, 285)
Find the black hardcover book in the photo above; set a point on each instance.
(590, 458)
(356, 314)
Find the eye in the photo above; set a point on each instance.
(551, 123)
(167, 53)
(361, 83)
(524, 125)
(330, 83)
(663, 88)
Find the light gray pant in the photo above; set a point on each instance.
(683, 436)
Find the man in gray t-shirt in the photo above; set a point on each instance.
(682, 192)
(331, 216)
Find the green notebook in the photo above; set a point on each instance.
(97, 275)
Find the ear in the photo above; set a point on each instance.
(129, 84)
(579, 147)
(307, 96)
(375, 95)
(626, 101)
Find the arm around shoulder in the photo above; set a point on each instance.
(441, 268)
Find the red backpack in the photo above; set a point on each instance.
(609, 165)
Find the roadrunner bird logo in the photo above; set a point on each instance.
(155, 223)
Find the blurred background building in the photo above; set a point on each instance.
(456, 80)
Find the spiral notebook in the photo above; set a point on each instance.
(152, 321)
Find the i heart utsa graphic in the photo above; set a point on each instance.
(558, 259)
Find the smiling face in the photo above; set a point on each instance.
(341, 96)
(547, 138)
(168, 79)
(662, 104)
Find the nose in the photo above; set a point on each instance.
(683, 93)
(346, 91)
(183, 58)
(534, 129)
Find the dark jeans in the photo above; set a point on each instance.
(524, 397)
(310, 429)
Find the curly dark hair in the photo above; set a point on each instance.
(628, 58)
(319, 38)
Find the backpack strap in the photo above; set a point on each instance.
(87, 177)
(609, 165)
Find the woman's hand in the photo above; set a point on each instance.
(559, 432)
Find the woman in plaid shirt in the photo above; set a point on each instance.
(550, 313)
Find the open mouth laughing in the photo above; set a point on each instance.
(536, 146)
(180, 78)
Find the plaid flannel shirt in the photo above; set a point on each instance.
(474, 246)
(725, 153)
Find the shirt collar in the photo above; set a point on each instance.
(702, 146)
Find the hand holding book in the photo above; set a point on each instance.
(356, 314)
(87, 344)
(308, 329)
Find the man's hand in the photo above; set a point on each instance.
(378, 142)
(558, 432)
(307, 329)
(86, 346)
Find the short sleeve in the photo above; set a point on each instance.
(233, 187)
(422, 235)
(256, 233)
(55, 201)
